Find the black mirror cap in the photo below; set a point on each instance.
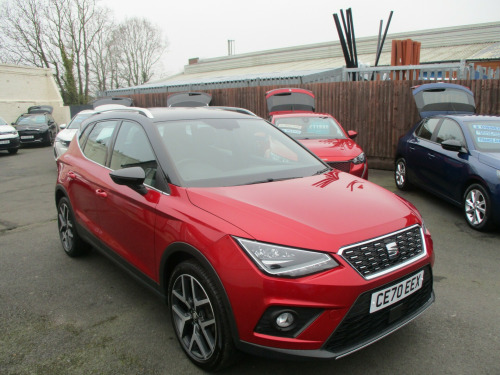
(452, 145)
(132, 177)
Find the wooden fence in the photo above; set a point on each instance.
(380, 111)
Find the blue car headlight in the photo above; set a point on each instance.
(284, 261)
(360, 159)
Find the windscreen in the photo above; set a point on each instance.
(485, 134)
(307, 127)
(32, 120)
(229, 152)
(77, 120)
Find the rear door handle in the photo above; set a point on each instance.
(431, 156)
(101, 193)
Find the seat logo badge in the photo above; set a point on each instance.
(392, 250)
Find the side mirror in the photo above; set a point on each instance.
(132, 177)
(352, 134)
(452, 145)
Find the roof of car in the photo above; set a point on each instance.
(302, 114)
(158, 114)
(186, 113)
(474, 117)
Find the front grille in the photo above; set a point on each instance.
(371, 258)
(359, 328)
(344, 166)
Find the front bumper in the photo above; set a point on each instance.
(32, 137)
(9, 144)
(359, 328)
(60, 147)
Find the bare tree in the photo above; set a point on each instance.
(140, 45)
(79, 42)
(56, 34)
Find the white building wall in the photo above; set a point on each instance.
(22, 87)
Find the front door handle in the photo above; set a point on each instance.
(101, 193)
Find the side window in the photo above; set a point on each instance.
(427, 128)
(132, 149)
(96, 147)
(84, 135)
(450, 130)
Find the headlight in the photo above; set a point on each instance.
(62, 142)
(360, 159)
(286, 261)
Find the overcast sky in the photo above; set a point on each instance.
(201, 28)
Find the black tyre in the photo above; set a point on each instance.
(401, 175)
(477, 208)
(199, 318)
(72, 244)
(48, 140)
(13, 151)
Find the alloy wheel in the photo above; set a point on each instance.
(65, 227)
(475, 207)
(194, 317)
(400, 174)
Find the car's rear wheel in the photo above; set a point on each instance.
(71, 242)
(401, 175)
(199, 318)
(477, 208)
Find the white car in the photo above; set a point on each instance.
(9, 137)
(64, 137)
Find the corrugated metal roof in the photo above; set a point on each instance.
(288, 65)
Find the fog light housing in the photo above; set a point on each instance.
(285, 320)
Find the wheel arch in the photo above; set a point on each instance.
(471, 181)
(179, 252)
(59, 193)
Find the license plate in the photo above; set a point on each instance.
(393, 294)
(27, 137)
(4, 142)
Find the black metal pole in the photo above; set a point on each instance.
(342, 40)
(355, 52)
(383, 39)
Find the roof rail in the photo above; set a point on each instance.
(112, 107)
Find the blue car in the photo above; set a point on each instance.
(453, 153)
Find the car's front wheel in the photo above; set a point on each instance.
(477, 207)
(401, 175)
(71, 242)
(199, 318)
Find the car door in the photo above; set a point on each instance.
(127, 218)
(86, 174)
(448, 169)
(420, 152)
